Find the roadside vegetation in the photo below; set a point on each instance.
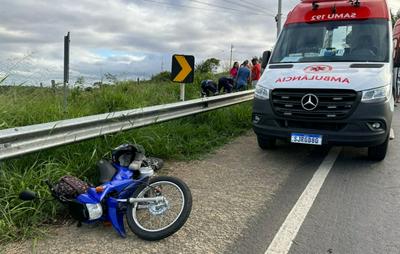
(182, 139)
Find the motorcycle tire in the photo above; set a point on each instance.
(158, 186)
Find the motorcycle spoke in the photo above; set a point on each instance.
(157, 216)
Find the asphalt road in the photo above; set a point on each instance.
(246, 200)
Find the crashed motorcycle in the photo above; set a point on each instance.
(155, 207)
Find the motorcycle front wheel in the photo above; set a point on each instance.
(157, 220)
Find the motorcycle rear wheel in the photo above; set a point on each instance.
(155, 221)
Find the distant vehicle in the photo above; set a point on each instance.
(329, 80)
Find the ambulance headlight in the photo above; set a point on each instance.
(261, 93)
(376, 95)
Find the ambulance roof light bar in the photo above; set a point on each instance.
(355, 3)
(314, 5)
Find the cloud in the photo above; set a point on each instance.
(129, 38)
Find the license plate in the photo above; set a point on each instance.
(310, 139)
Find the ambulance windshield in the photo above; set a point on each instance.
(336, 41)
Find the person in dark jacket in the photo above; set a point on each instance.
(226, 84)
(208, 87)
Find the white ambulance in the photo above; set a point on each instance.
(329, 79)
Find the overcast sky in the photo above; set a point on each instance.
(129, 38)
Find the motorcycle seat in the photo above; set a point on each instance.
(106, 170)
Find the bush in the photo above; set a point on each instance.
(164, 76)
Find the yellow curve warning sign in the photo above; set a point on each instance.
(182, 69)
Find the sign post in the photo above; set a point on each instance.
(182, 94)
(182, 71)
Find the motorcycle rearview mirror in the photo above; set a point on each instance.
(27, 195)
(265, 58)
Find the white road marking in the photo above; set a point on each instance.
(287, 233)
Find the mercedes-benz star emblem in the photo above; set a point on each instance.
(309, 102)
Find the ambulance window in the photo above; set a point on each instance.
(339, 38)
(336, 41)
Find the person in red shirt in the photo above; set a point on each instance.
(234, 70)
(255, 72)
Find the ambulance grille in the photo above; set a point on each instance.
(332, 104)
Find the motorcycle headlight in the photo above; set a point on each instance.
(261, 93)
(376, 95)
(95, 211)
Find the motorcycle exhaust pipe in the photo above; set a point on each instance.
(137, 200)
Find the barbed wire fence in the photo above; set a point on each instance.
(27, 71)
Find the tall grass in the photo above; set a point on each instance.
(181, 139)
(29, 105)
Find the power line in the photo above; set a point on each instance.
(223, 7)
(195, 7)
(250, 6)
(246, 2)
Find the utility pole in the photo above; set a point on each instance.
(278, 18)
(66, 68)
(230, 61)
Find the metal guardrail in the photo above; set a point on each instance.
(22, 140)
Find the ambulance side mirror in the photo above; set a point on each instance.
(265, 58)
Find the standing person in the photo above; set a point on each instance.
(255, 72)
(234, 70)
(243, 76)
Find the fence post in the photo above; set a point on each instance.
(66, 68)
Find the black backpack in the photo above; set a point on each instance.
(69, 187)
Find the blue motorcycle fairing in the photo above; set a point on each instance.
(124, 187)
(131, 188)
(116, 217)
(86, 199)
(122, 183)
(92, 196)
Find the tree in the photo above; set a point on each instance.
(208, 66)
(162, 77)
